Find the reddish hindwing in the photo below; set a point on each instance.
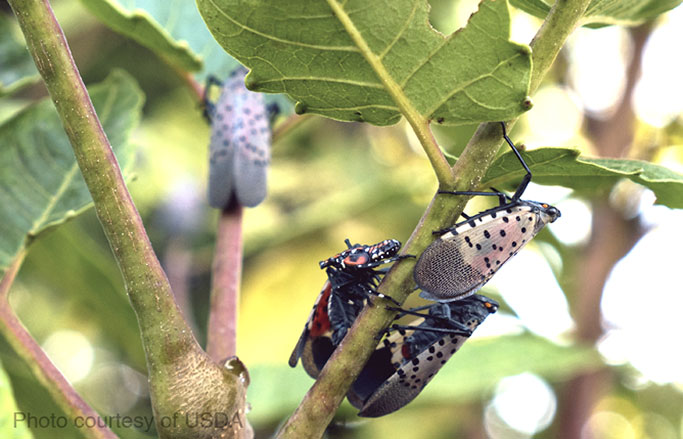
(317, 324)
(319, 321)
(461, 261)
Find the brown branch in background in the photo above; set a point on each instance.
(612, 237)
(42, 368)
(225, 285)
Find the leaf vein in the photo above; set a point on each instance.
(282, 40)
(323, 79)
(400, 32)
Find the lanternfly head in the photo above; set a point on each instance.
(546, 213)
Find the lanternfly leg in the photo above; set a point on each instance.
(501, 196)
(414, 312)
(210, 107)
(466, 332)
(527, 178)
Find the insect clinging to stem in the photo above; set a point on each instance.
(465, 256)
(239, 150)
(404, 362)
(352, 278)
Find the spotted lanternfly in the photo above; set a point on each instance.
(239, 152)
(351, 280)
(468, 254)
(408, 359)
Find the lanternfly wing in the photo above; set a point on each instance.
(409, 380)
(239, 152)
(463, 259)
(420, 356)
(317, 325)
(383, 363)
(327, 324)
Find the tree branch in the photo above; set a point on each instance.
(227, 268)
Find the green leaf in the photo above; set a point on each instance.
(607, 12)
(625, 12)
(175, 32)
(17, 68)
(40, 182)
(564, 166)
(140, 20)
(537, 8)
(354, 61)
(8, 410)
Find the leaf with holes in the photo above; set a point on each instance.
(372, 61)
(40, 182)
(565, 167)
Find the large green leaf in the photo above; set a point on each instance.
(338, 59)
(606, 12)
(172, 30)
(626, 12)
(9, 410)
(16, 65)
(563, 166)
(40, 182)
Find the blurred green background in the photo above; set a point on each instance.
(589, 326)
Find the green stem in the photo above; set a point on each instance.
(481, 150)
(561, 21)
(146, 282)
(183, 379)
(320, 403)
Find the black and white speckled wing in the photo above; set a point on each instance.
(409, 380)
(419, 355)
(462, 260)
(239, 152)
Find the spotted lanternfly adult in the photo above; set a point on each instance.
(351, 280)
(465, 256)
(408, 359)
(239, 151)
